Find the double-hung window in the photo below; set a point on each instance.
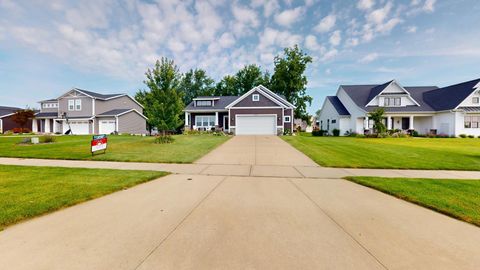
(71, 105)
(286, 119)
(471, 121)
(78, 104)
(205, 121)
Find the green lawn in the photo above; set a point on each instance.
(457, 198)
(185, 148)
(394, 153)
(26, 191)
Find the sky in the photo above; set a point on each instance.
(49, 47)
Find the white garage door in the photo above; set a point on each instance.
(107, 126)
(256, 125)
(78, 127)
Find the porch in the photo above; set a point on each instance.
(423, 124)
(207, 121)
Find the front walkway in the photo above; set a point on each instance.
(207, 217)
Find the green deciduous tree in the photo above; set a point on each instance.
(226, 87)
(163, 103)
(196, 83)
(377, 117)
(289, 79)
(249, 77)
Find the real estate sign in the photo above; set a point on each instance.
(99, 143)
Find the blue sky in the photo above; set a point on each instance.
(48, 47)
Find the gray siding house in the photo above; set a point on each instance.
(86, 112)
(258, 112)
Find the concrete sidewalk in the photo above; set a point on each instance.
(245, 170)
(213, 222)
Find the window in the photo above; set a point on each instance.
(255, 97)
(286, 119)
(475, 100)
(389, 102)
(78, 104)
(334, 121)
(71, 105)
(204, 103)
(206, 121)
(471, 121)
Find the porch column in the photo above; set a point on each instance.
(216, 119)
(187, 114)
(54, 126)
(389, 122)
(34, 125)
(365, 123)
(47, 126)
(410, 126)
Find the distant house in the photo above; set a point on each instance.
(451, 110)
(86, 112)
(6, 119)
(257, 112)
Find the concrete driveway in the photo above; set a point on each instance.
(197, 221)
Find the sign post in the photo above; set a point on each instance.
(99, 143)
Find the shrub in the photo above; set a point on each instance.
(8, 132)
(350, 133)
(471, 136)
(163, 139)
(360, 136)
(336, 132)
(48, 139)
(462, 135)
(319, 132)
(415, 133)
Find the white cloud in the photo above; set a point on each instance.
(245, 15)
(329, 55)
(312, 44)
(352, 42)
(289, 16)
(429, 5)
(226, 40)
(365, 4)
(369, 58)
(411, 29)
(379, 15)
(269, 6)
(326, 24)
(335, 38)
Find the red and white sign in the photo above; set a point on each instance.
(99, 143)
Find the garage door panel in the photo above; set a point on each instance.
(256, 125)
(78, 127)
(107, 126)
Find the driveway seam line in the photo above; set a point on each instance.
(301, 174)
(204, 169)
(338, 224)
(179, 224)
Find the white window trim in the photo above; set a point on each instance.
(71, 104)
(255, 97)
(78, 104)
(208, 127)
(475, 98)
(287, 117)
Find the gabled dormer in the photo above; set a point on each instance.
(205, 101)
(390, 94)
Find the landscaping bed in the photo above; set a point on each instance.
(391, 153)
(184, 148)
(456, 198)
(27, 191)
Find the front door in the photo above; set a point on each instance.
(405, 123)
(225, 123)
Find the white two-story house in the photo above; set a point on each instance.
(86, 112)
(451, 110)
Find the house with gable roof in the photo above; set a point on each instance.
(451, 110)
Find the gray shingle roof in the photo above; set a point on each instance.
(378, 89)
(450, 97)
(114, 112)
(46, 114)
(98, 95)
(360, 94)
(4, 110)
(220, 104)
(338, 105)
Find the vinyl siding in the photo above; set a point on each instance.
(132, 123)
(86, 106)
(277, 111)
(124, 102)
(263, 102)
